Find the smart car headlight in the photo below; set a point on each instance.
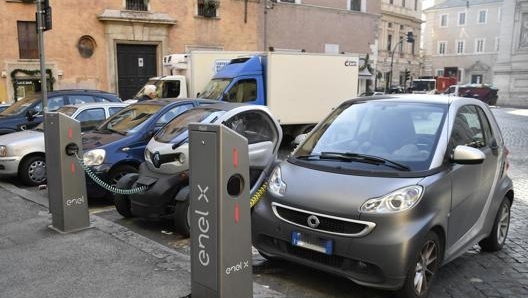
(276, 185)
(94, 157)
(3, 150)
(396, 201)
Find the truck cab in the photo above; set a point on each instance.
(239, 81)
(173, 86)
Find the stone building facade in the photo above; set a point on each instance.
(511, 68)
(464, 37)
(399, 17)
(114, 45)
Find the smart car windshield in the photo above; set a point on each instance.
(394, 134)
(177, 127)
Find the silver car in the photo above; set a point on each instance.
(22, 153)
(385, 190)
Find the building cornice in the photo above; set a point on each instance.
(129, 16)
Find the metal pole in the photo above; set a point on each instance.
(43, 80)
(392, 60)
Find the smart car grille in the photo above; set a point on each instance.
(321, 222)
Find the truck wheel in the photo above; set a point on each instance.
(182, 217)
(497, 237)
(423, 268)
(121, 201)
(32, 171)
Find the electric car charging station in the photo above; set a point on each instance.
(220, 213)
(68, 202)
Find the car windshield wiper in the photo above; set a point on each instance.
(349, 156)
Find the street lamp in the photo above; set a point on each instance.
(410, 38)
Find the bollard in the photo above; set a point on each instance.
(220, 215)
(66, 181)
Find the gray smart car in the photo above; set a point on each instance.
(387, 189)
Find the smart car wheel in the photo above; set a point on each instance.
(182, 217)
(121, 201)
(423, 269)
(32, 171)
(497, 237)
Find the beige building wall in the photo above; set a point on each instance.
(318, 29)
(173, 26)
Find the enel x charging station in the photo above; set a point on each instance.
(68, 203)
(221, 258)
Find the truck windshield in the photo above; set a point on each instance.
(420, 85)
(155, 82)
(214, 89)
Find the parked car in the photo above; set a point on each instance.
(483, 92)
(4, 106)
(27, 113)
(383, 195)
(22, 153)
(166, 167)
(117, 146)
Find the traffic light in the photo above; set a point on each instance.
(46, 17)
(410, 37)
(407, 75)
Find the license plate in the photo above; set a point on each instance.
(312, 242)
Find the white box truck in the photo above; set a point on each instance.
(184, 75)
(299, 88)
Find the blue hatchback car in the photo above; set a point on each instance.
(117, 146)
(27, 113)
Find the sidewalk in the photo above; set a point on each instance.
(105, 260)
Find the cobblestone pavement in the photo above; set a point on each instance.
(475, 274)
(504, 273)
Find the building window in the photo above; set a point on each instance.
(27, 40)
(207, 8)
(415, 4)
(460, 47)
(403, 3)
(391, 1)
(443, 20)
(461, 18)
(440, 72)
(479, 45)
(442, 47)
(497, 42)
(401, 44)
(389, 25)
(355, 5)
(401, 27)
(482, 16)
(141, 5)
(389, 42)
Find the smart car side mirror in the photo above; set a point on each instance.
(468, 155)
